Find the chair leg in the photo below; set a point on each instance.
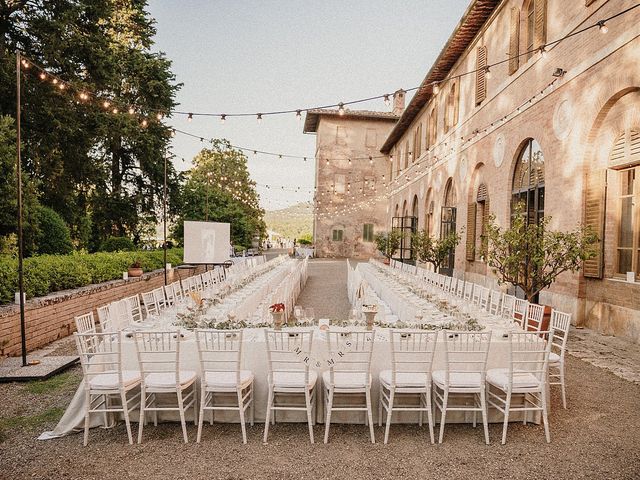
(125, 413)
(389, 413)
(327, 421)
(241, 409)
(143, 401)
(562, 385)
(506, 418)
(545, 420)
(251, 405)
(196, 408)
(307, 399)
(380, 404)
(485, 424)
(429, 414)
(201, 416)
(182, 420)
(370, 415)
(443, 414)
(314, 407)
(87, 401)
(268, 415)
(420, 412)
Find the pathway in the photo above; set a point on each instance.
(326, 289)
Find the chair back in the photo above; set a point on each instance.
(206, 279)
(534, 317)
(219, 351)
(506, 309)
(159, 352)
(484, 298)
(468, 290)
(150, 304)
(178, 294)
(519, 315)
(475, 296)
(466, 352)
(106, 325)
(494, 302)
(412, 351)
(99, 353)
(135, 308)
(560, 326)
(197, 280)
(350, 351)
(529, 352)
(158, 295)
(170, 298)
(460, 288)
(120, 314)
(289, 351)
(85, 323)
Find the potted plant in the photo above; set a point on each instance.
(135, 269)
(435, 251)
(277, 312)
(388, 243)
(531, 256)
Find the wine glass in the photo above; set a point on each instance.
(309, 315)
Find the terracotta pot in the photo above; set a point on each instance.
(277, 320)
(134, 272)
(370, 316)
(387, 261)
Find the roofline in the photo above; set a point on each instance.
(446, 60)
(312, 118)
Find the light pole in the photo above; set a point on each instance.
(23, 331)
(206, 210)
(164, 217)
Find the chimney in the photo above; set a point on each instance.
(398, 102)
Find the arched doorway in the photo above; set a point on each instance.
(448, 223)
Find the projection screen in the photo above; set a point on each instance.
(206, 242)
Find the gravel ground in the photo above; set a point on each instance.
(597, 437)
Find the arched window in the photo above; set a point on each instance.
(528, 181)
(407, 154)
(477, 221)
(448, 223)
(433, 126)
(414, 207)
(451, 107)
(428, 220)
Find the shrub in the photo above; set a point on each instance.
(53, 236)
(117, 244)
(304, 241)
(45, 274)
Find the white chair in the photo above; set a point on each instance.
(349, 374)
(484, 298)
(526, 377)
(159, 360)
(135, 308)
(120, 314)
(85, 323)
(520, 308)
(160, 300)
(460, 288)
(150, 304)
(534, 317)
(506, 307)
(197, 280)
(464, 376)
(220, 355)
(104, 378)
(560, 327)
(290, 375)
(475, 296)
(494, 302)
(468, 291)
(106, 325)
(412, 354)
(170, 298)
(206, 279)
(178, 294)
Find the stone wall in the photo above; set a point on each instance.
(52, 317)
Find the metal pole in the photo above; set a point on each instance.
(23, 331)
(206, 209)
(164, 218)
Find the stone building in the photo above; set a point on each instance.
(558, 128)
(349, 209)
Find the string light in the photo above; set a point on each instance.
(223, 117)
(144, 122)
(543, 51)
(42, 75)
(299, 115)
(259, 118)
(190, 117)
(487, 72)
(159, 116)
(131, 111)
(341, 108)
(387, 100)
(106, 104)
(436, 88)
(602, 26)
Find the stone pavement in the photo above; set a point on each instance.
(326, 289)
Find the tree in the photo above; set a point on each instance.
(99, 170)
(530, 256)
(53, 234)
(388, 243)
(427, 249)
(218, 188)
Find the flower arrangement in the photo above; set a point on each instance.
(276, 307)
(373, 308)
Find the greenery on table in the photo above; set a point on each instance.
(45, 274)
(103, 173)
(470, 325)
(219, 188)
(435, 251)
(531, 256)
(388, 243)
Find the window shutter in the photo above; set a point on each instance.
(588, 2)
(514, 40)
(481, 74)
(540, 28)
(625, 150)
(456, 103)
(485, 222)
(471, 232)
(594, 209)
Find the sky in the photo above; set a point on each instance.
(257, 56)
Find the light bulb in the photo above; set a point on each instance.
(42, 75)
(603, 27)
(61, 86)
(115, 110)
(131, 111)
(173, 133)
(299, 115)
(55, 81)
(144, 122)
(340, 108)
(387, 100)
(159, 116)
(487, 72)
(190, 117)
(223, 117)
(106, 104)
(543, 51)
(436, 88)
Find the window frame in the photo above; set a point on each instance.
(635, 222)
(368, 232)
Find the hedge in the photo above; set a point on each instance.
(45, 274)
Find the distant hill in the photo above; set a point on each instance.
(291, 222)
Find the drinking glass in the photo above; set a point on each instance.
(309, 315)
